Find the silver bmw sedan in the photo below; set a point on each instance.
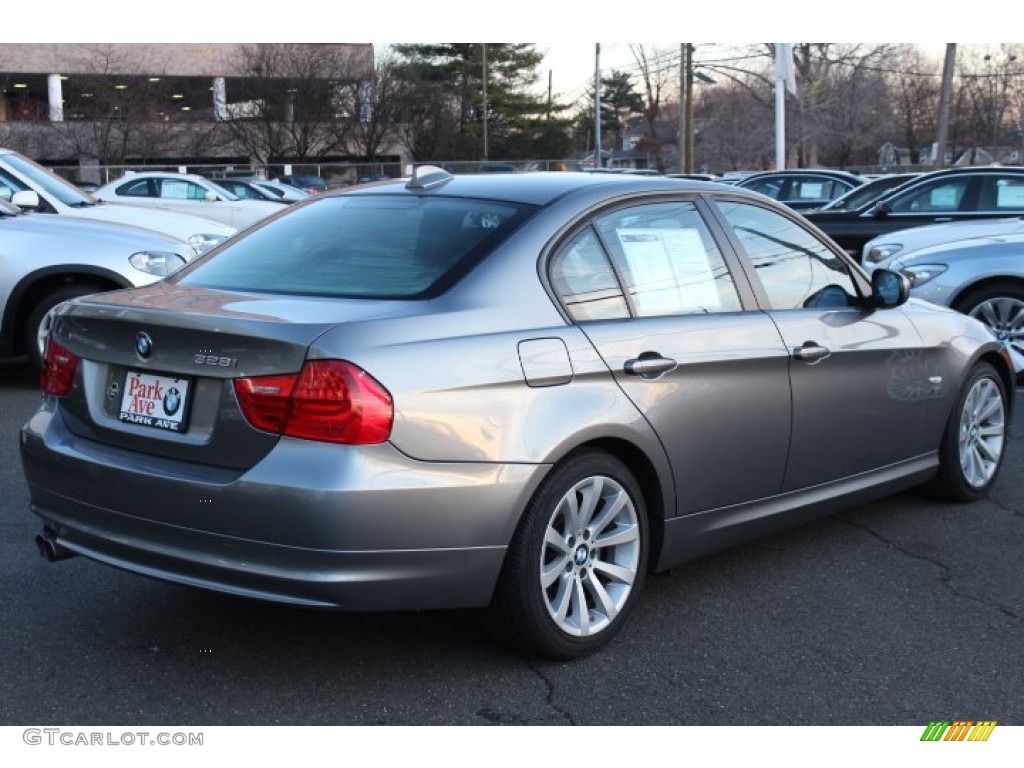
(515, 392)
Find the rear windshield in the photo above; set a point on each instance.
(384, 247)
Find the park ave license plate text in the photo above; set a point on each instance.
(155, 401)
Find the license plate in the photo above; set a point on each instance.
(155, 401)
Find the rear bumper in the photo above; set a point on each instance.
(362, 528)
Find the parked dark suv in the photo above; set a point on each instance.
(955, 194)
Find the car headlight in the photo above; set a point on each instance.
(202, 242)
(156, 262)
(878, 253)
(920, 274)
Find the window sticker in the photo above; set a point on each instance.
(944, 197)
(812, 191)
(1010, 196)
(670, 271)
(172, 188)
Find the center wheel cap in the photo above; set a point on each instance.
(582, 555)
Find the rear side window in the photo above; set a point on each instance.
(383, 247)
(137, 188)
(942, 196)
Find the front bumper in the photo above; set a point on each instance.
(356, 528)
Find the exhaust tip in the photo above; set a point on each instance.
(48, 547)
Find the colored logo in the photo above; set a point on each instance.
(172, 401)
(143, 344)
(959, 730)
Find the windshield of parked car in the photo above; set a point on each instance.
(46, 180)
(382, 247)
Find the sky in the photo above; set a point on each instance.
(568, 32)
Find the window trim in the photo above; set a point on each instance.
(720, 236)
(857, 274)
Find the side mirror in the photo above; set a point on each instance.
(27, 198)
(889, 289)
(210, 197)
(881, 210)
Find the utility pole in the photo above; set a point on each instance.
(688, 122)
(484, 45)
(680, 118)
(944, 98)
(597, 106)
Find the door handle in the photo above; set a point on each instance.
(649, 367)
(811, 352)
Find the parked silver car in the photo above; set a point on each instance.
(45, 260)
(520, 391)
(981, 276)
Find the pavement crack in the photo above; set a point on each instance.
(945, 572)
(994, 499)
(563, 713)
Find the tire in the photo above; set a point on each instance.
(576, 562)
(37, 324)
(974, 443)
(1000, 306)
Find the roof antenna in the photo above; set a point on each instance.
(428, 177)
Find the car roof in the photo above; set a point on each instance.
(846, 175)
(532, 187)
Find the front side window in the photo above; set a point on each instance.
(797, 270)
(668, 260)
(176, 189)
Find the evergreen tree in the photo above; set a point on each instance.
(457, 71)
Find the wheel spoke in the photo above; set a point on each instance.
(610, 512)
(618, 536)
(562, 600)
(602, 597)
(590, 499)
(556, 540)
(617, 572)
(579, 607)
(572, 511)
(550, 572)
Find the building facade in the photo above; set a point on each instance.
(176, 103)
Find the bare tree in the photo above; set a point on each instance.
(290, 104)
(375, 107)
(914, 95)
(656, 71)
(112, 115)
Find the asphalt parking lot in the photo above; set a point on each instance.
(896, 613)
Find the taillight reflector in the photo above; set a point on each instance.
(328, 400)
(59, 366)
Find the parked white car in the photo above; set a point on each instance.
(45, 260)
(186, 193)
(40, 189)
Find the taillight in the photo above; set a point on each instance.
(328, 400)
(59, 366)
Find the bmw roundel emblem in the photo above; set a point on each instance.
(143, 344)
(172, 401)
